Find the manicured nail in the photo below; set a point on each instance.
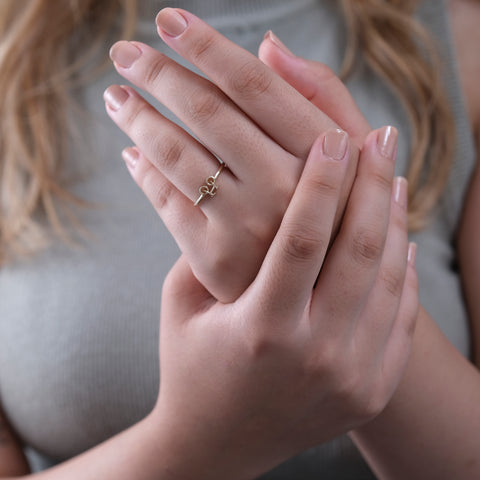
(115, 96)
(400, 191)
(276, 41)
(125, 53)
(131, 156)
(171, 22)
(412, 253)
(387, 141)
(335, 144)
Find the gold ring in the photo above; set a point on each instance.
(210, 188)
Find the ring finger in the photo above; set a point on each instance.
(172, 151)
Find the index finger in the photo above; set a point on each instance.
(281, 111)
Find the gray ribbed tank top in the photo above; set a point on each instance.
(78, 328)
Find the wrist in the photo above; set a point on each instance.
(190, 449)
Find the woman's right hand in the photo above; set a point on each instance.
(300, 357)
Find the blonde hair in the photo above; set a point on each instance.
(37, 71)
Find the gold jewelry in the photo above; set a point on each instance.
(210, 188)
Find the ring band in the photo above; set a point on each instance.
(210, 188)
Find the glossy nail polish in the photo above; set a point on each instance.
(171, 22)
(125, 54)
(387, 141)
(400, 191)
(335, 144)
(131, 156)
(412, 253)
(115, 96)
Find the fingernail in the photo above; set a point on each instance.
(276, 41)
(335, 144)
(125, 53)
(115, 96)
(412, 253)
(131, 156)
(400, 191)
(387, 141)
(171, 22)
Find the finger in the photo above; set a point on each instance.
(182, 219)
(220, 125)
(318, 83)
(173, 152)
(400, 340)
(247, 81)
(353, 261)
(377, 318)
(287, 276)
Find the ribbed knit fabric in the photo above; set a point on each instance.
(79, 328)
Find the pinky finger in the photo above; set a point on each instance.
(182, 219)
(398, 346)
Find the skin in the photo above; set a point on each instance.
(392, 456)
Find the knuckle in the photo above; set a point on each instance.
(366, 246)
(302, 244)
(159, 192)
(324, 362)
(382, 178)
(133, 117)
(170, 151)
(251, 80)
(262, 343)
(200, 48)
(392, 280)
(326, 185)
(155, 70)
(203, 106)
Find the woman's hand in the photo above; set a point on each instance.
(299, 357)
(247, 116)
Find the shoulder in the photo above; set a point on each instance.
(465, 21)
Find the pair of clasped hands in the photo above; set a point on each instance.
(289, 317)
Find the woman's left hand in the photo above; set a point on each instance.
(299, 357)
(260, 126)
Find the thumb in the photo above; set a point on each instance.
(318, 83)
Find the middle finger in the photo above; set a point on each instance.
(220, 125)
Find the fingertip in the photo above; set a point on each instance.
(387, 138)
(131, 155)
(335, 144)
(412, 254)
(115, 96)
(274, 53)
(400, 192)
(278, 44)
(171, 22)
(383, 141)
